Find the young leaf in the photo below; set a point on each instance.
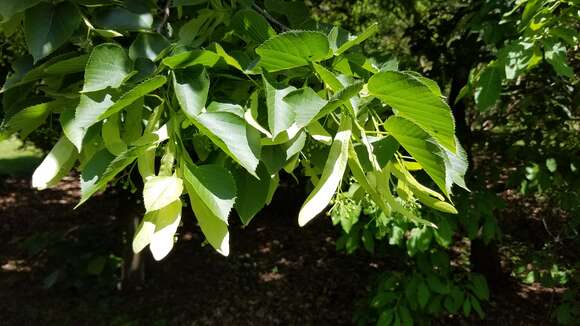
(413, 100)
(46, 30)
(108, 66)
(159, 192)
(352, 41)
(55, 165)
(293, 49)
(158, 229)
(331, 175)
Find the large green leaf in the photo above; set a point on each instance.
(46, 29)
(252, 192)
(160, 191)
(191, 88)
(420, 145)
(215, 186)
(158, 230)
(232, 134)
(76, 123)
(55, 165)
(331, 175)
(67, 66)
(293, 49)
(108, 66)
(488, 86)
(415, 101)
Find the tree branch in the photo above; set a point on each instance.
(269, 17)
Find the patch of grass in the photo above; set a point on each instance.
(18, 158)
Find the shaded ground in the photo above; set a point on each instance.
(277, 274)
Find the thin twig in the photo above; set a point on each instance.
(165, 16)
(264, 13)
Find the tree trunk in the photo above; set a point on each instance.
(133, 271)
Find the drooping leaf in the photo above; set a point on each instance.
(29, 119)
(55, 165)
(108, 66)
(293, 49)
(331, 175)
(252, 193)
(413, 100)
(160, 191)
(46, 31)
(191, 88)
(215, 186)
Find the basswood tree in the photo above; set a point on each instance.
(212, 101)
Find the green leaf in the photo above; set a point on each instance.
(68, 66)
(232, 134)
(418, 143)
(192, 58)
(215, 186)
(466, 307)
(55, 165)
(76, 123)
(46, 28)
(29, 119)
(488, 86)
(130, 97)
(280, 114)
(251, 26)
(423, 294)
(123, 20)
(555, 54)
(252, 192)
(355, 40)
(191, 88)
(9, 8)
(480, 286)
(305, 104)
(103, 167)
(160, 191)
(331, 176)
(211, 191)
(455, 166)
(111, 135)
(293, 49)
(148, 45)
(477, 307)
(108, 66)
(413, 100)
